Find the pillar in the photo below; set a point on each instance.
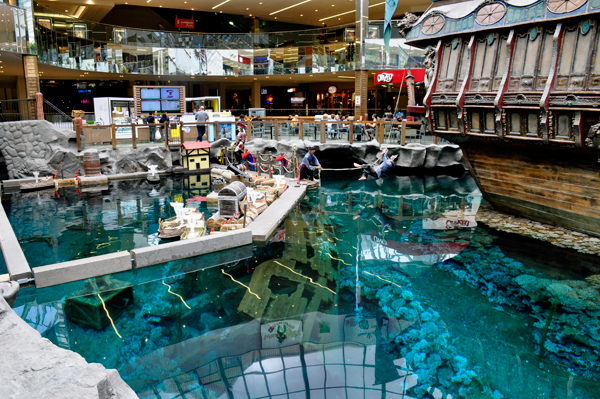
(361, 82)
(222, 95)
(256, 94)
(410, 88)
(32, 81)
(254, 25)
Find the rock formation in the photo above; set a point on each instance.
(33, 367)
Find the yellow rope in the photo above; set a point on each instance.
(387, 281)
(109, 318)
(302, 275)
(235, 281)
(180, 297)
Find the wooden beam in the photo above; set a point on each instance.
(499, 100)
(460, 98)
(545, 121)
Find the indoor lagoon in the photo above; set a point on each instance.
(374, 289)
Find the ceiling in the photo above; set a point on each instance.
(308, 12)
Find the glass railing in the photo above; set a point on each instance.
(89, 46)
(13, 29)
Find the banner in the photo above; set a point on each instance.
(181, 23)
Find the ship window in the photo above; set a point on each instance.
(567, 50)
(501, 58)
(519, 55)
(488, 64)
(479, 59)
(546, 54)
(532, 53)
(464, 63)
(444, 62)
(454, 54)
(475, 126)
(515, 123)
(442, 119)
(563, 126)
(582, 53)
(532, 124)
(453, 121)
(489, 122)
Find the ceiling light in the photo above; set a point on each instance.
(301, 15)
(247, 9)
(220, 4)
(292, 6)
(333, 16)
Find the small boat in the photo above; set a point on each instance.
(194, 232)
(172, 232)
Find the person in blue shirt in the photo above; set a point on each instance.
(309, 165)
(377, 171)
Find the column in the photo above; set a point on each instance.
(222, 95)
(361, 82)
(32, 80)
(256, 94)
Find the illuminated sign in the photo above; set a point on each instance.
(181, 23)
(263, 91)
(293, 89)
(332, 89)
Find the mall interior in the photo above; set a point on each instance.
(287, 56)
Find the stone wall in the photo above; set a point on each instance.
(39, 146)
(343, 155)
(33, 367)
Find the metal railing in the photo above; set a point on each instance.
(17, 110)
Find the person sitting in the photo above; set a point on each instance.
(309, 165)
(370, 128)
(377, 171)
(295, 124)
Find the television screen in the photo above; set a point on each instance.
(169, 94)
(150, 105)
(150, 94)
(170, 105)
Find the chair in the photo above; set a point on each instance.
(333, 131)
(358, 132)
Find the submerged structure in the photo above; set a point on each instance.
(517, 86)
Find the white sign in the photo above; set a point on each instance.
(357, 101)
(449, 223)
(263, 91)
(385, 77)
(282, 333)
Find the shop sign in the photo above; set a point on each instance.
(292, 90)
(332, 89)
(181, 23)
(357, 101)
(399, 76)
(282, 333)
(263, 91)
(243, 60)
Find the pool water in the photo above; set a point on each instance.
(360, 294)
(55, 227)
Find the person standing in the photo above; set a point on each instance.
(164, 123)
(201, 116)
(309, 165)
(152, 128)
(238, 147)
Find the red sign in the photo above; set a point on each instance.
(399, 76)
(243, 60)
(181, 23)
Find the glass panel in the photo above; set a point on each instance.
(475, 126)
(515, 123)
(442, 119)
(563, 126)
(532, 51)
(453, 120)
(444, 63)
(479, 59)
(488, 64)
(453, 63)
(489, 122)
(583, 53)
(532, 123)
(501, 58)
(519, 55)
(546, 59)
(567, 50)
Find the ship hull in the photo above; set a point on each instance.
(554, 185)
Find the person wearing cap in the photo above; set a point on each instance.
(309, 165)
(377, 171)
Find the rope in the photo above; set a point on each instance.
(342, 169)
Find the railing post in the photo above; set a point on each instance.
(217, 134)
(113, 130)
(403, 134)
(78, 122)
(39, 106)
(257, 161)
(300, 130)
(166, 134)
(322, 131)
(249, 130)
(276, 128)
(270, 165)
(181, 132)
(133, 135)
(351, 133)
(381, 130)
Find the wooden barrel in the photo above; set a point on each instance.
(91, 163)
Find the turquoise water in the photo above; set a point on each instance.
(55, 227)
(354, 298)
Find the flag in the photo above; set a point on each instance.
(390, 9)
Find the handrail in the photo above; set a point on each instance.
(55, 108)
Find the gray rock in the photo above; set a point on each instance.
(33, 367)
(9, 290)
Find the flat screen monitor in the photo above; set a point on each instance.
(170, 105)
(169, 93)
(150, 94)
(150, 105)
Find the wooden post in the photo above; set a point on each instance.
(181, 135)
(133, 136)
(216, 124)
(245, 212)
(114, 136)
(381, 130)
(270, 166)
(257, 161)
(351, 134)
(403, 134)
(300, 130)
(248, 128)
(78, 125)
(276, 128)
(166, 134)
(322, 131)
(39, 106)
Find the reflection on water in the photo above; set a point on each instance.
(58, 226)
(369, 289)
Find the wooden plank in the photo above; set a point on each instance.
(544, 214)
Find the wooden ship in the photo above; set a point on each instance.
(517, 86)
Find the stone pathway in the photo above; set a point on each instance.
(554, 235)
